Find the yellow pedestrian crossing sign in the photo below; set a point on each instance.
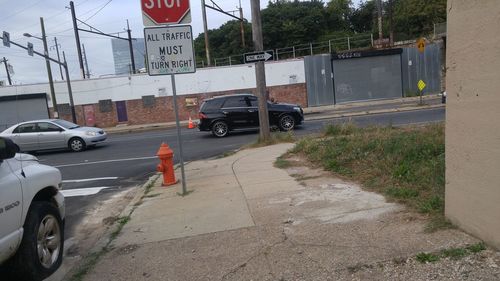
(421, 85)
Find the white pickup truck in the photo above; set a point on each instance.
(31, 216)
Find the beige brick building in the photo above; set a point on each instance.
(473, 118)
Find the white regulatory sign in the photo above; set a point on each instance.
(169, 50)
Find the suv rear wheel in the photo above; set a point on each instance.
(220, 129)
(41, 249)
(286, 122)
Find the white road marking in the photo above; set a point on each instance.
(106, 161)
(91, 179)
(83, 191)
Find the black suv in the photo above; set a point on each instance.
(240, 112)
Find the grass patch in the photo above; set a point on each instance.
(452, 253)
(407, 165)
(438, 222)
(476, 248)
(151, 195)
(276, 137)
(426, 257)
(227, 154)
(90, 261)
(121, 223)
(282, 163)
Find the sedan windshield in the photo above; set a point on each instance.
(65, 124)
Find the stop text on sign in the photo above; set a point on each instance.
(162, 12)
(166, 3)
(169, 50)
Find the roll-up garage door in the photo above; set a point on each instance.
(367, 76)
(20, 108)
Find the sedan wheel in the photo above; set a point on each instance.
(287, 122)
(76, 144)
(220, 129)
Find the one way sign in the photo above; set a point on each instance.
(258, 56)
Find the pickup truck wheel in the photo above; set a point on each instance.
(76, 144)
(41, 250)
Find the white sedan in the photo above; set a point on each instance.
(53, 134)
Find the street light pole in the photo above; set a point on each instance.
(49, 70)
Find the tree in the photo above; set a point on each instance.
(224, 41)
(414, 18)
(339, 14)
(287, 23)
(362, 18)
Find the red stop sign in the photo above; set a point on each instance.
(165, 11)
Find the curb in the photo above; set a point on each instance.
(373, 112)
(106, 239)
(351, 105)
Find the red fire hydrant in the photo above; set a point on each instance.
(166, 156)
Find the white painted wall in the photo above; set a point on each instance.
(205, 80)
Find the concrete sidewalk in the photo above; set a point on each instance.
(247, 220)
(318, 113)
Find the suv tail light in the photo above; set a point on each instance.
(202, 116)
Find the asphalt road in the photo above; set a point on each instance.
(127, 160)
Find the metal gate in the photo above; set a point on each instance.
(319, 80)
(372, 75)
(20, 108)
(353, 76)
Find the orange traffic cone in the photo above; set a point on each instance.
(191, 124)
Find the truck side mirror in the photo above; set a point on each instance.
(8, 149)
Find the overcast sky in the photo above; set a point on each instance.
(21, 16)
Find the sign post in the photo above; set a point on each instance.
(421, 86)
(169, 49)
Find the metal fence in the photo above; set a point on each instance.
(302, 50)
(439, 29)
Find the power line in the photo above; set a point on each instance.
(20, 11)
(97, 11)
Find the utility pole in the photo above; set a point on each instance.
(242, 27)
(205, 31)
(260, 72)
(58, 57)
(391, 26)
(86, 62)
(7, 70)
(70, 91)
(49, 70)
(77, 37)
(379, 12)
(132, 59)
